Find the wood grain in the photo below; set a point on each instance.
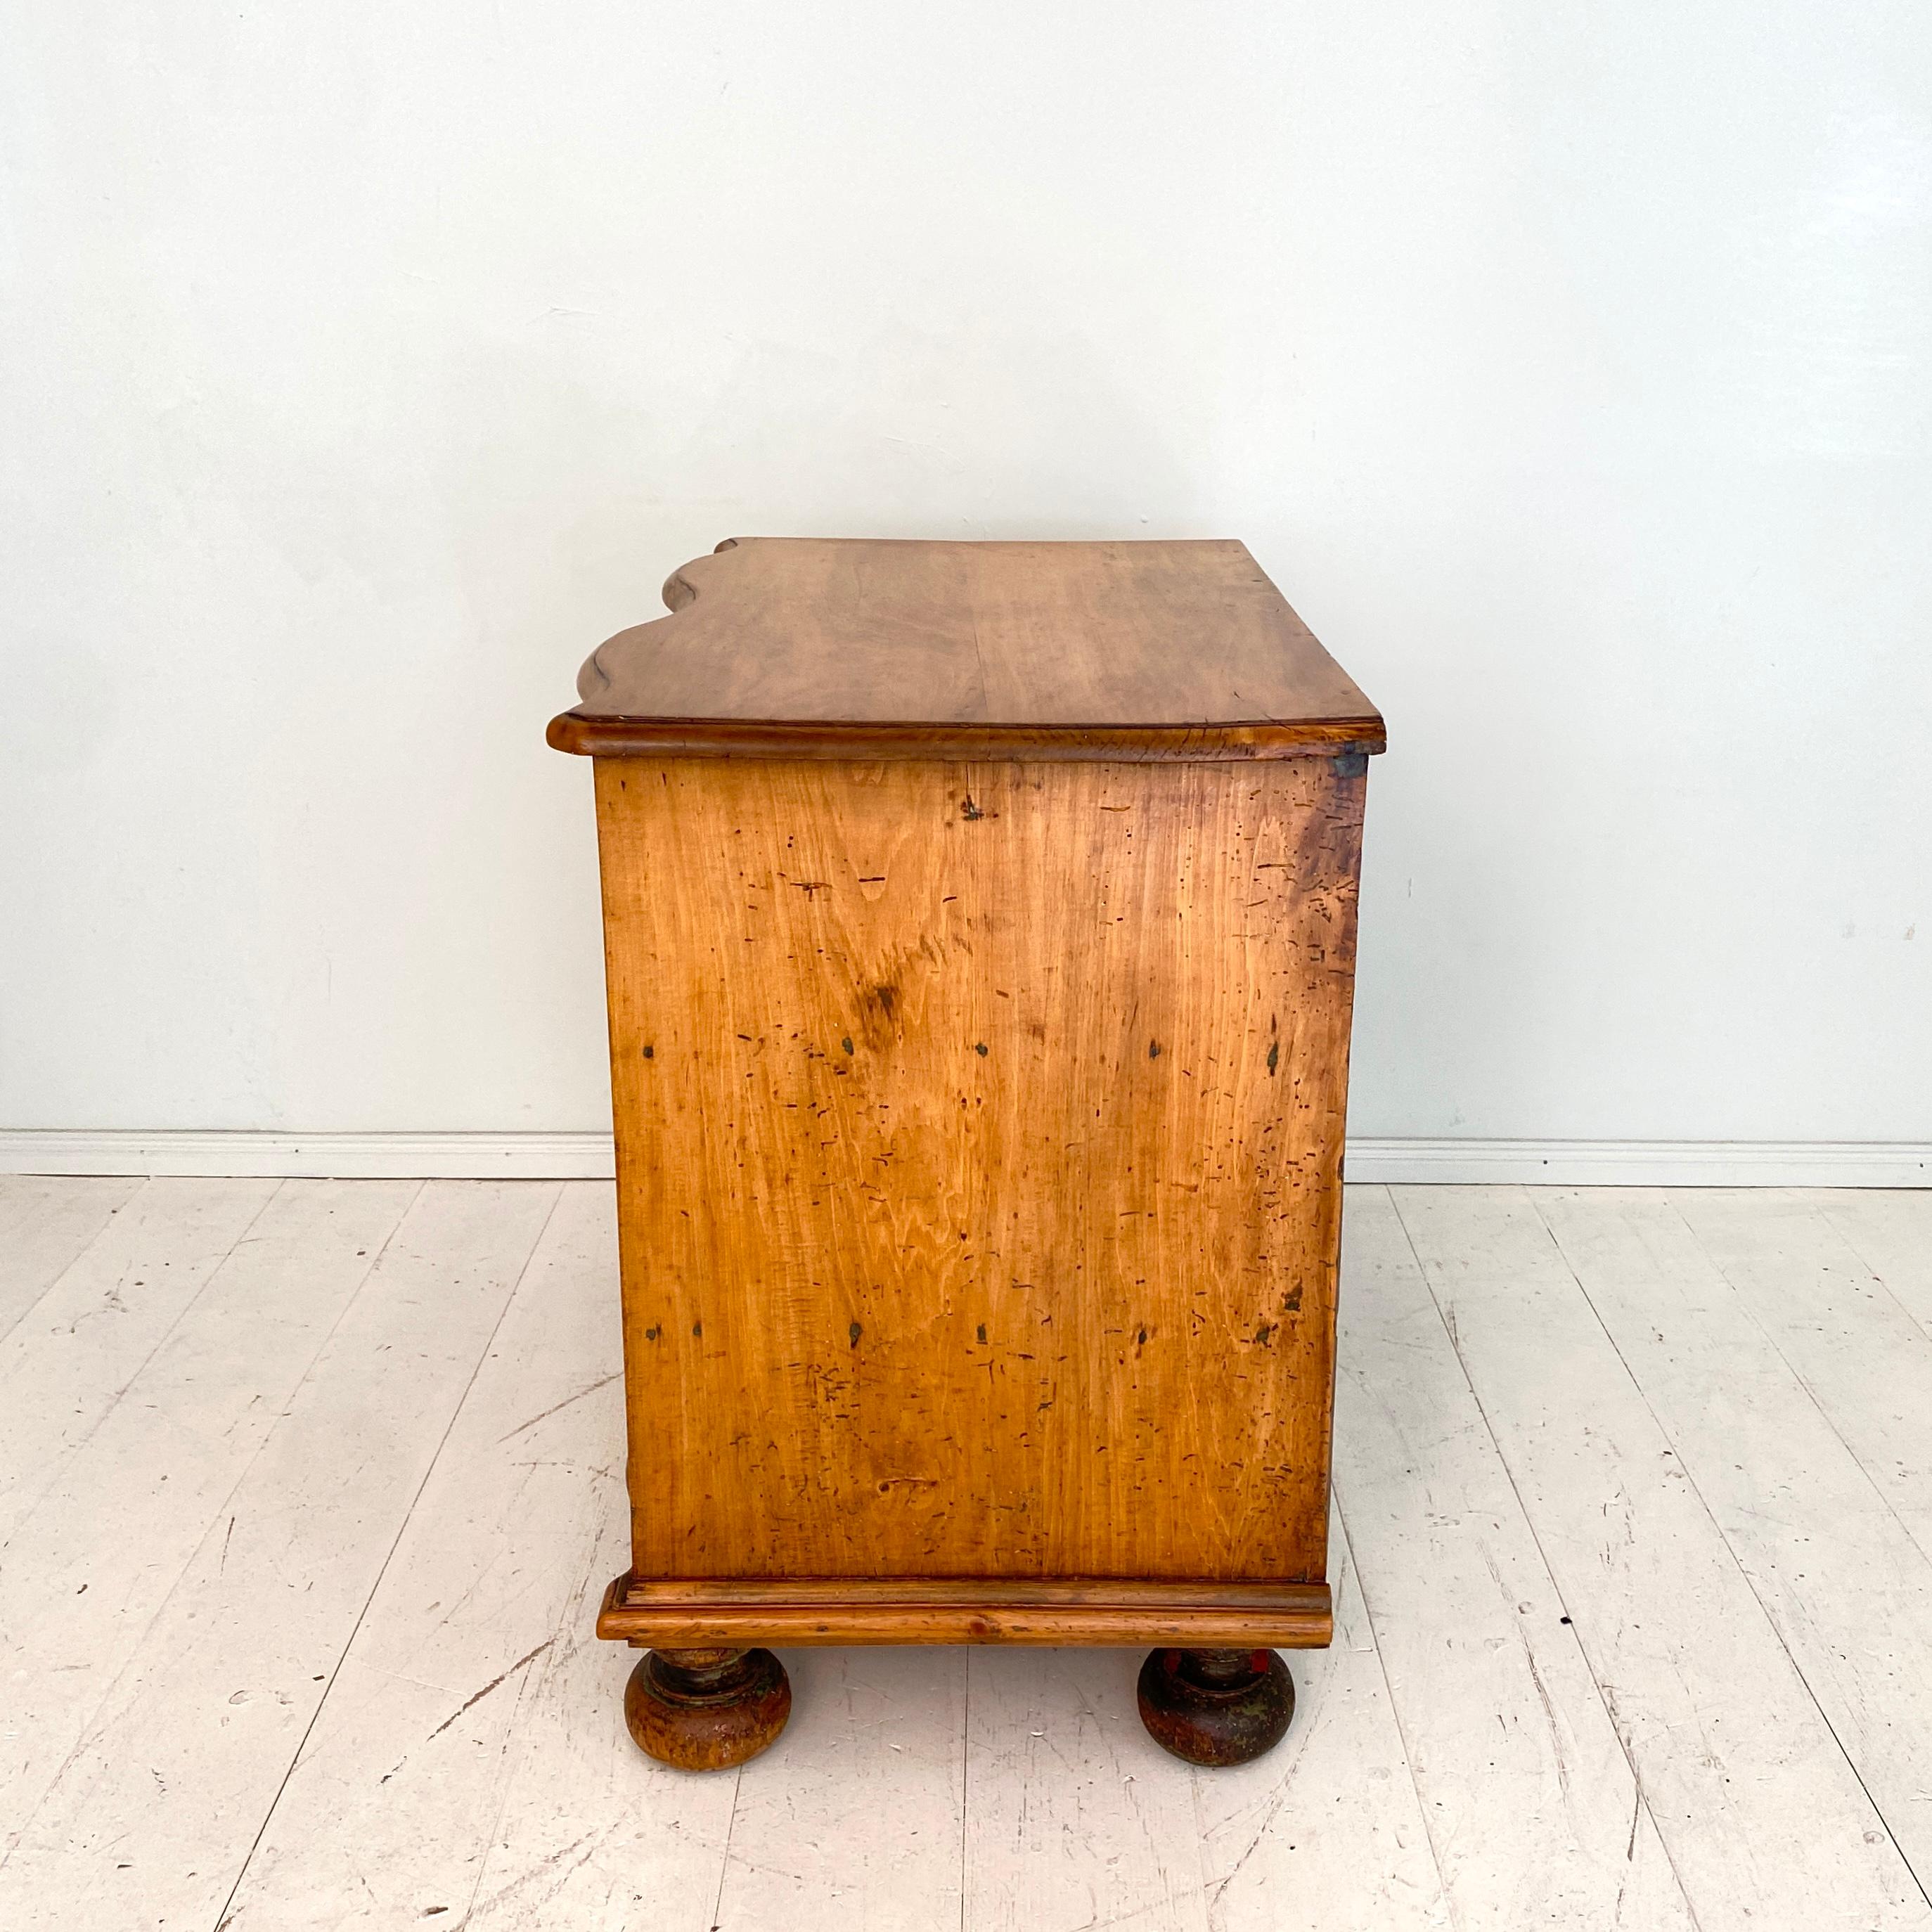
(795, 647)
(978, 1135)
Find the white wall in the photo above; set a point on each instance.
(1569, 367)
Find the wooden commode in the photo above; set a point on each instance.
(979, 926)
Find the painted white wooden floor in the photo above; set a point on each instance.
(308, 1490)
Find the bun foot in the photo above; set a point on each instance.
(1215, 1707)
(703, 1710)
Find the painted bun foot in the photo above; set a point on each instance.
(703, 1710)
(1217, 1707)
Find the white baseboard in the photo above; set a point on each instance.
(397, 1156)
(510, 1157)
(1647, 1163)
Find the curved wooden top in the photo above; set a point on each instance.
(805, 647)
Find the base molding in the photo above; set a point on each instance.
(587, 1157)
(1098, 1611)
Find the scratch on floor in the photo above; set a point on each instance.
(529, 1657)
(604, 1382)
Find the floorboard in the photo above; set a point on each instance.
(1533, 1807)
(150, 1820)
(1754, 1799)
(1866, 1361)
(389, 1810)
(1847, 1589)
(1890, 1230)
(852, 1818)
(590, 1835)
(44, 1224)
(1073, 1817)
(69, 1359)
(1327, 1833)
(86, 1572)
(308, 1491)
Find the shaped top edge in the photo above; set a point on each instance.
(874, 648)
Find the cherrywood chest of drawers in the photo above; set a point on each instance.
(980, 934)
